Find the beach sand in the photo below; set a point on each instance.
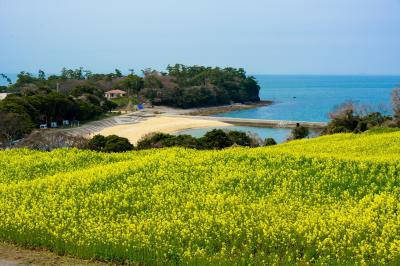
(164, 124)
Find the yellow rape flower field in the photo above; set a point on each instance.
(329, 200)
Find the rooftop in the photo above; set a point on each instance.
(116, 91)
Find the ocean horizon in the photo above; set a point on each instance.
(312, 97)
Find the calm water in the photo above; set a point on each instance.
(311, 98)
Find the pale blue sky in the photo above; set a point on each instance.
(263, 36)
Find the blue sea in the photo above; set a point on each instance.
(3, 81)
(311, 98)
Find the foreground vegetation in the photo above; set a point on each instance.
(332, 199)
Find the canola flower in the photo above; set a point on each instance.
(329, 200)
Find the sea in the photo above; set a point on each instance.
(311, 98)
(12, 76)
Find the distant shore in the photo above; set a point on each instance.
(205, 111)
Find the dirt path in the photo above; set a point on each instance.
(11, 255)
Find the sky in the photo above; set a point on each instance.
(262, 36)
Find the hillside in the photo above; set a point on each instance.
(332, 199)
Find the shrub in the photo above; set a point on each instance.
(111, 143)
(269, 142)
(239, 138)
(350, 118)
(215, 139)
(299, 132)
(117, 144)
(155, 140)
(162, 140)
(97, 143)
(186, 141)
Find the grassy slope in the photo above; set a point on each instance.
(332, 199)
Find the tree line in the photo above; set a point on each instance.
(78, 94)
(197, 86)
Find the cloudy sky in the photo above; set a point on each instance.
(263, 36)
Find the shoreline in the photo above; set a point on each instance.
(206, 111)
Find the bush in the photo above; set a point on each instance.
(155, 140)
(239, 138)
(269, 142)
(111, 143)
(186, 141)
(97, 143)
(117, 144)
(299, 132)
(215, 139)
(350, 118)
(162, 140)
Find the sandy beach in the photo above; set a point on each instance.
(164, 124)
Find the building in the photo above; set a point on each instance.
(114, 94)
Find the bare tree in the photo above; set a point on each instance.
(396, 103)
(50, 140)
(12, 127)
(343, 110)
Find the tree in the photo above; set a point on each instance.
(50, 140)
(25, 78)
(4, 76)
(239, 138)
(97, 143)
(156, 140)
(118, 73)
(108, 106)
(41, 75)
(396, 104)
(343, 119)
(110, 143)
(351, 118)
(215, 139)
(195, 86)
(132, 83)
(13, 126)
(117, 144)
(269, 142)
(299, 132)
